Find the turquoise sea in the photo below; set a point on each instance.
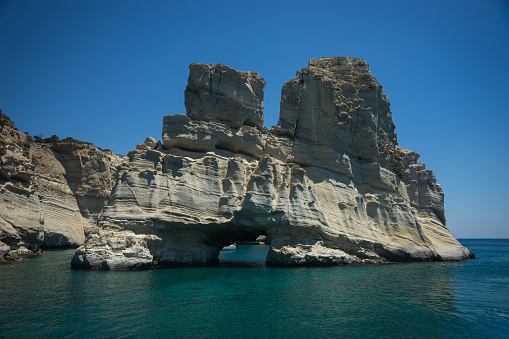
(45, 298)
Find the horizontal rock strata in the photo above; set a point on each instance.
(328, 185)
(51, 194)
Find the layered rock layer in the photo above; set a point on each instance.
(51, 194)
(328, 185)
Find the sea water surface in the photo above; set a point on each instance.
(44, 297)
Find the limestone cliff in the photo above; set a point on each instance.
(50, 193)
(328, 185)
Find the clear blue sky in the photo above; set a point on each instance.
(108, 71)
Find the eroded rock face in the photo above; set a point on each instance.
(51, 194)
(329, 185)
(220, 93)
(336, 109)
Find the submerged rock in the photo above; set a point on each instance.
(328, 185)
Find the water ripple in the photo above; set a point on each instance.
(44, 298)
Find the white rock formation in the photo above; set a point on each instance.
(220, 93)
(50, 193)
(329, 185)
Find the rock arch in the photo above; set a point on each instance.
(329, 185)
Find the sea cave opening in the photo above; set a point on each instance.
(244, 250)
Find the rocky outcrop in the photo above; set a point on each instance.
(51, 193)
(328, 185)
(220, 93)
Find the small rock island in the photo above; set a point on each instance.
(328, 185)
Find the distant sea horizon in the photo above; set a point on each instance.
(44, 297)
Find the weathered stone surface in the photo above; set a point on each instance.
(220, 93)
(124, 250)
(90, 174)
(180, 131)
(329, 185)
(150, 143)
(336, 110)
(4, 251)
(50, 193)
